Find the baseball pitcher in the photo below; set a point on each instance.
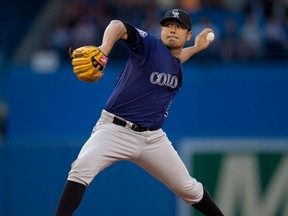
(129, 127)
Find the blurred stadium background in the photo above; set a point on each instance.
(229, 122)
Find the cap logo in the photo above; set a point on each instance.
(175, 13)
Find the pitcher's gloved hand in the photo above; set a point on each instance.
(88, 63)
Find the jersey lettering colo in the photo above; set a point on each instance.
(148, 83)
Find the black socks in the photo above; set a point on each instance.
(207, 206)
(73, 193)
(70, 199)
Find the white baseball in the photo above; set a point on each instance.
(210, 36)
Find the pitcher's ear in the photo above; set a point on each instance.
(189, 35)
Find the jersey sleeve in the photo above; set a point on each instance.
(132, 37)
(139, 43)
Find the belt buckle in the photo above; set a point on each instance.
(139, 128)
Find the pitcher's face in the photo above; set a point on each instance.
(174, 34)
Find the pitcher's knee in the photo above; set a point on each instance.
(190, 192)
(81, 173)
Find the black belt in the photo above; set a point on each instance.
(133, 127)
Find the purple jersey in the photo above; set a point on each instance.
(148, 83)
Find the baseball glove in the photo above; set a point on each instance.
(88, 62)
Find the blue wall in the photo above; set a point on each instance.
(216, 99)
(51, 115)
